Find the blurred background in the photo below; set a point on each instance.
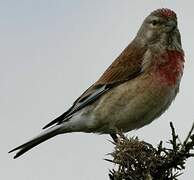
(51, 51)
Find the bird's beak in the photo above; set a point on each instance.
(171, 25)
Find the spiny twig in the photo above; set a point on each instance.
(139, 160)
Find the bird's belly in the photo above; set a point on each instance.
(133, 105)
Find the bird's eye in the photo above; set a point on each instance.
(154, 22)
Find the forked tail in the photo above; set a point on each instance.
(53, 131)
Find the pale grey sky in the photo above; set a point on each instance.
(51, 51)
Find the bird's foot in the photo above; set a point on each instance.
(117, 137)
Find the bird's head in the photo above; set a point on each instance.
(160, 27)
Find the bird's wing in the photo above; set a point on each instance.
(126, 67)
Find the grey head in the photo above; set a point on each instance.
(160, 28)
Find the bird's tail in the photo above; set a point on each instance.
(53, 131)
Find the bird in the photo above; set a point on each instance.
(137, 88)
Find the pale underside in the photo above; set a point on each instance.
(131, 105)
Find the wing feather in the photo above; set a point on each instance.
(126, 67)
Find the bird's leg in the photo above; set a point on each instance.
(114, 137)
